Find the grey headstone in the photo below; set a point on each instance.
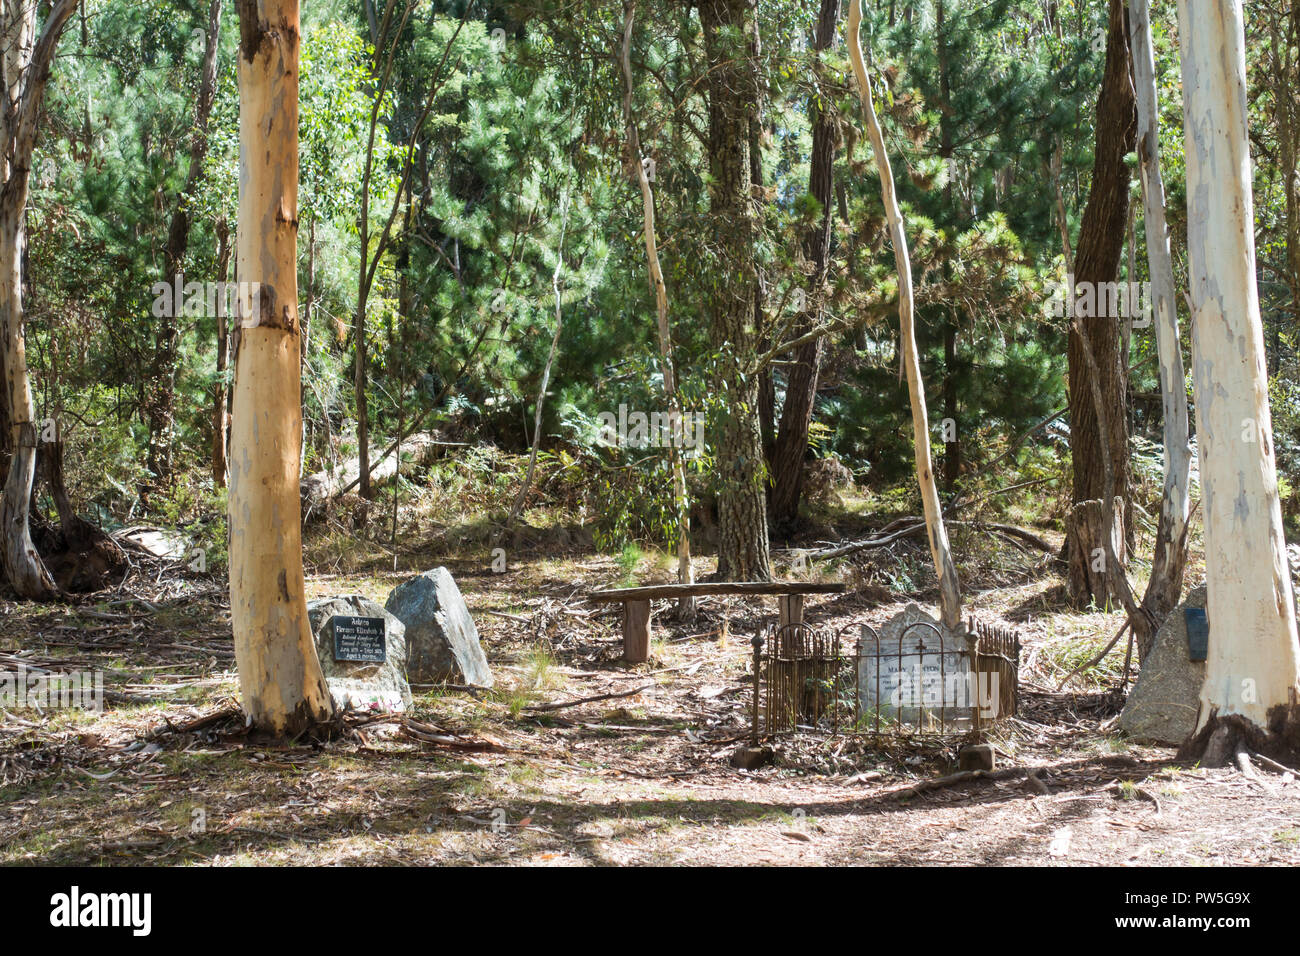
(1163, 704)
(916, 672)
(358, 684)
(442, 640)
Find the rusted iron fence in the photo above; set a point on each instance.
(853, 681)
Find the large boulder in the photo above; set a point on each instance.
(442, 641)
(361, 685)
(1163, 705)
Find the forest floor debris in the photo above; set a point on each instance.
(578, 758)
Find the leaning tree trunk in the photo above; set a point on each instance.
(1170, 559)
(280, 676)
(791, 446)
(743, 553)
(1101, 240)
(27, 56)
(949, 591)
(681, 497)
(1252, 677)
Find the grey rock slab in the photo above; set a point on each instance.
(1163, 705)
(442, 639)
(361, 685)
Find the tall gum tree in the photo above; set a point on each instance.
(1253, 669)
(280, 677)
(949, 590)
(1169, 560)
(25, 62)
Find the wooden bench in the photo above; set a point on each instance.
(636, 604)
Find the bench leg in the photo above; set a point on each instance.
(790, 609)
(636, 631)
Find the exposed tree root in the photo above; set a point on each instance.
(81, 558)
(1232, 740)
(1273, 765)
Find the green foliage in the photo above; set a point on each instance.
(520, 185)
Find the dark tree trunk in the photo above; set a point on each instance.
(79, 556)
(161, 412)
(766, 384)
(791, 446)
(949, 432)
(732, 92)
(1285, 37)
(1101, 241)
(220, 409)
(951, 445)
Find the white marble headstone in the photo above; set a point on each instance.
(922, 674)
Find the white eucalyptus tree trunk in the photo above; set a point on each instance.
(25, 61)
(1252, 671)
(280, 677)
(685, 572)
(949, 591)
(1169, 561)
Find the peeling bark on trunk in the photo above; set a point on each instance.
(945, 570)
(280, 676)
(1165, 586)
(743, 553)
(27, 56)
(1253, 667)
(1101, 241)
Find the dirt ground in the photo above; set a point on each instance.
(167, 774)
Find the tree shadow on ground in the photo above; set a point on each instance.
(412, 810)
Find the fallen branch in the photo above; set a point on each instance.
(963, 776)
(919, 525)
(198, 723)
(427, 733)
(511, 617)
(1012, 531)
(1141, 794)
(856, 546)
(589, 700)
(1100, 657)
(1010, 773)
(315, 490)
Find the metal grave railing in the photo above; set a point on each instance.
(921, 682)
